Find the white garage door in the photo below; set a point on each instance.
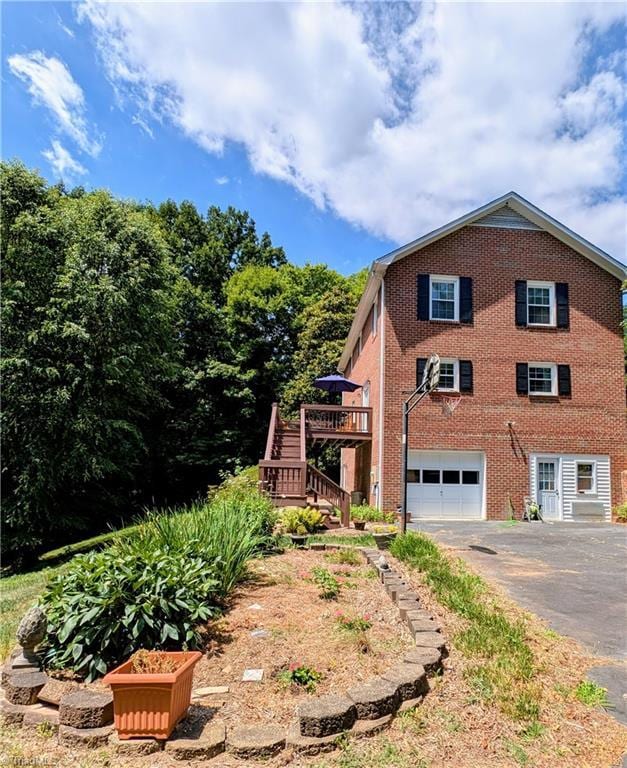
(445, 485)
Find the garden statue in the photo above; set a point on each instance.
(382, 564)
(30, 632)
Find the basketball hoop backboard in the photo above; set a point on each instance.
(431, 375)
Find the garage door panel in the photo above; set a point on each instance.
(450, 484)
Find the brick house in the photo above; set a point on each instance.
(526, 318)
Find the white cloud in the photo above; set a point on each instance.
(51, 85)
(397, 119)
(141, 123)
(62, 162)
(222, 180)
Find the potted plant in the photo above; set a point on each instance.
(384, 535)
(152, 692)
(299, 523)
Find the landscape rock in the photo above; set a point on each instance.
(429, 658)
(430, 640)
(205, 742)
(309, 745)
(370, 727)
(23, 687)
(256, 740)
(12, 714)
(422, 625)
(404, 606)
(210, 690)
(410, 704)
(84, 737)
(326, 715)
(374, 699)
(410, 679)
(134, 747)
(41, 713)
(54, 690)
(86, 709)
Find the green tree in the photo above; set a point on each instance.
(87, 312)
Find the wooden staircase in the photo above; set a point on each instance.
(284, 471)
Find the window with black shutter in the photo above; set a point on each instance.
(423, 297)
(563, 380)
(561, 299)
(521, 302)
(522, 378)
(465, 299)
(465, 376)
(420, 369)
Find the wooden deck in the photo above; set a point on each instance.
(284, 471)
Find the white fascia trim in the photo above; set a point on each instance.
(369, 295)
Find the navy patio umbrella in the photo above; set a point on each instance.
(336, 383)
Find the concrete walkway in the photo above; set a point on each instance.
(574, 575)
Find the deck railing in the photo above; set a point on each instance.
(340, 419)
(284, 479)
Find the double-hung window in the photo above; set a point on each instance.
(542, 379)
(540, 303)
(449, 375)
(444, 298)
(586, 480)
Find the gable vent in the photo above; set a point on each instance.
(506, 218)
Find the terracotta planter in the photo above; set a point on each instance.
(151, 705)
(360, 525)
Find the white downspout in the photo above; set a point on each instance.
(381, 397)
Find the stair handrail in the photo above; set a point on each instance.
(274, 417)
(341, 494)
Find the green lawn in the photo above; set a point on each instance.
(17, 594)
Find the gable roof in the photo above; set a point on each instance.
(511, 211)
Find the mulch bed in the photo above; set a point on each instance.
(302, 629)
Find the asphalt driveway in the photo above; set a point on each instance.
(574, 575)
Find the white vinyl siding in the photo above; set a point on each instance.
(574, 505)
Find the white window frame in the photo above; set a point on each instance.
(375, 317)
(455, 363)
(552, 305)
(592, 490)
(445, 279)
(553, 367)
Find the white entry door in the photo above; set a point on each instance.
(445, 485)
(548, 488)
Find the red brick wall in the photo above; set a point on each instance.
(362, 463)
(591, 421)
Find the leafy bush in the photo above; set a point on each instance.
(621, 512)
(107, 604)
(300, 521)
(591, 694)
(153, 590)
(300, 675)
(371, 514)
(329, 585)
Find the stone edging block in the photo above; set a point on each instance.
(374, 698)
(326, 716)
(86, 709)
(256, 740)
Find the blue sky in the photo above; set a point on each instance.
(344, 130)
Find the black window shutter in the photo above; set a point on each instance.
(420, 369)
(465, 299)
(561, 299)
(465, 375)
(423, 297)
(563, 380)
(522, 378)
(521, 302)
